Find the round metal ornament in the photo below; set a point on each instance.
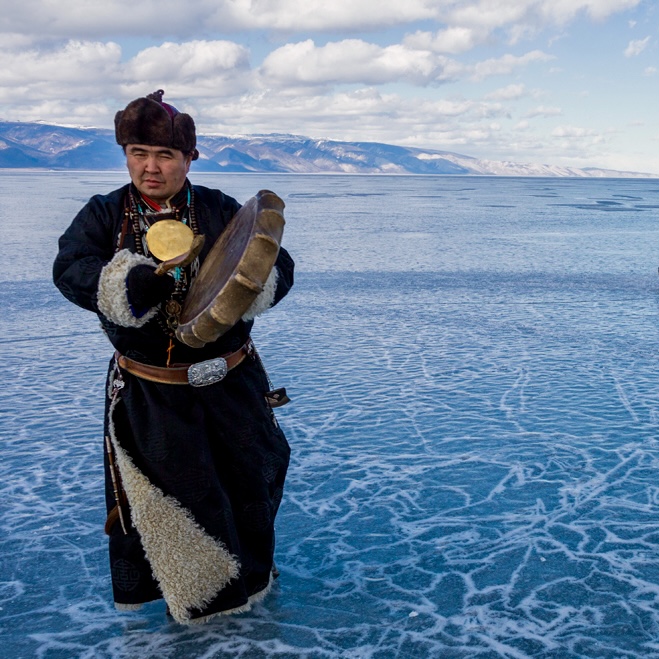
(167, 239)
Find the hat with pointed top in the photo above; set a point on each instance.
(149, 120)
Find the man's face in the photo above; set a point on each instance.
(157, 171)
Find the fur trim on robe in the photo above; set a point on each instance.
(265, 298)
(112, 293)
(191, 567)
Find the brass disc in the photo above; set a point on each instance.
(169, 238)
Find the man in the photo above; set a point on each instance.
(194, 475)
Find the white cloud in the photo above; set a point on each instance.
(361, 114)
(192, 69)
(636, 47)
(507, 93)
(85, 79)
(353, 61)
(14, 41)
(163, 18)
(64, 63)
(572, 131)
(452, 40)
(189, 60)
(487, 15)
(169, 18)
(320, 15)
(543, 111)
(506, 64)
(77, 18)
(562, 11)
(526, 15)
(80, 64)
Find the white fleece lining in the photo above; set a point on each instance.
(191, 567)
(112, 294)
(265, 298)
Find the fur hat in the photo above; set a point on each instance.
(149, 121)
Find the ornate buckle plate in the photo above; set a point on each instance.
(208, 372)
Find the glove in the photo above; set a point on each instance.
(145, 289)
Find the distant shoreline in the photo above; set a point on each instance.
(63, 170)
(38, 146)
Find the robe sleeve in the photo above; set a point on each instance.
(85, 248)
(276, 287)
(285, 268)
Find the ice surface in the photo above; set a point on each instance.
(474, 425)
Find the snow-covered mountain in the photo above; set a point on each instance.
(40, 145)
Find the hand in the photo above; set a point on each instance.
(183, 259)
(145, 289)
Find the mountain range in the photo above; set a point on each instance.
(45, 146)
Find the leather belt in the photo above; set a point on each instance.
(197, 375)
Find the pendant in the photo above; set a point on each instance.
(172, 311)
(173, 308)
(168, 239)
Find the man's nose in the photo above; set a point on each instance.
(152, 164)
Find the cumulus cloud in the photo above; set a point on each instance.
(320, 15)
(508, 93)
(506, 64)
(563, 11)
(13, 41)
(88, 80)
(111, 17)
(78, 63)
(636, 47)
(162, 18)
(587, 145)
(487, 15)
(452, 40)
(192, 69)
(543, 111)
(572, 131)
(64, 63)
(520, 20)
(165, 18)
(526, 15)
(354, 61)
(354, 114)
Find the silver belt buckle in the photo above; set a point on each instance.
(208, 372)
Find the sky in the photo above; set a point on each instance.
(560, 82)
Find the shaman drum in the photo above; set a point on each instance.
(234, 272)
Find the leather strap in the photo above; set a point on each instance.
(176, 374)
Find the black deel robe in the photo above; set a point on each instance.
(203, 467)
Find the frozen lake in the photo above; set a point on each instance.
(474, 426)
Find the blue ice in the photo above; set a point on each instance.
(474, 425)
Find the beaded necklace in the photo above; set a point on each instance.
(140, 215)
